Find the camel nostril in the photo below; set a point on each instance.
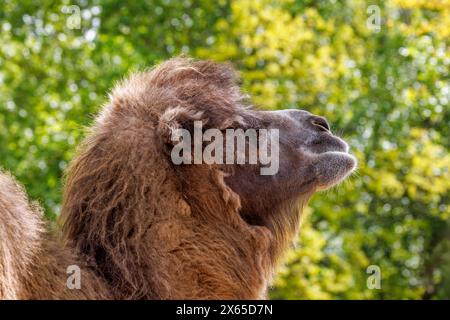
(321, 123)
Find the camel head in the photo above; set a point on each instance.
(284, 156)
(181, 179)
(310, 158)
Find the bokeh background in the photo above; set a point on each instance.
(384, 85)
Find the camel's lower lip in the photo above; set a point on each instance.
(351, 161)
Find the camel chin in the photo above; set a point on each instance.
(332, 167)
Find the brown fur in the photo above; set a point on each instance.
(32, 264)
(141, 227)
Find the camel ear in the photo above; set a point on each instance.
(177, 118)
(184, 118)
(333, 167)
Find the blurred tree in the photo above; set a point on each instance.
(386, 88)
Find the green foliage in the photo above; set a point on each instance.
(387, 91)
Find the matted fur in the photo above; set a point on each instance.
(141, 227)
(32, 263)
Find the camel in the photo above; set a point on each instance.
(139, 226)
